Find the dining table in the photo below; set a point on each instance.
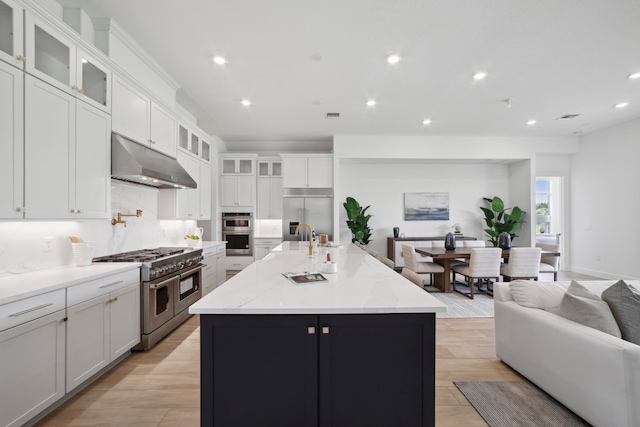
(444, 256)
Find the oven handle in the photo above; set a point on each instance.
(162, 284)
(197, 268)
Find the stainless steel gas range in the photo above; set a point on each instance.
(171, 282)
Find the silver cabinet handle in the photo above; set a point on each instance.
(110, 284)
(29, 310)
(111, 300)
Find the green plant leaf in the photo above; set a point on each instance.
(488, 214)
(497, 205)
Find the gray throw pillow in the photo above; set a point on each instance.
(583, 306)
(624, 302)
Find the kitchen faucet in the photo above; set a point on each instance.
(122, 221)
(304, 224)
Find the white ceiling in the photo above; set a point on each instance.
(550, 57)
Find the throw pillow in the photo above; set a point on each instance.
(624, 302)
(534, 294)
(585, 307)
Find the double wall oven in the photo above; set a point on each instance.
(171, 282)
(237, 230)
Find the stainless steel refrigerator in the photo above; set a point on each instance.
(315, 211)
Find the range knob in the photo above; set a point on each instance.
(180, 264)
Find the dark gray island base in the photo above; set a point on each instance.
(318, 370)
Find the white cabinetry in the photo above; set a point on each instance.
(238, 263)
(205, 190)
(236, 191)
(221, 267)
(264, 246)
(67, 155)
(32, 347)
(269, 168)
(307, 171)
(237, 180)
(211, 271)
(52, 57)
(269, 198)
(138, 117)
(11, 141)
(11, 33)
(188, 203)
(103, 324)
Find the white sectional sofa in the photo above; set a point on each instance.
(594, 374)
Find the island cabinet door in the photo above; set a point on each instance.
(259, 370)
(377, 370)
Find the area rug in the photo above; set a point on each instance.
(517, 403)
(461, 306)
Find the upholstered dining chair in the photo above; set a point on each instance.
(524, 263)
(386, 261)
(549, 264)
(413, 276)
(484, 263)
(411, 262)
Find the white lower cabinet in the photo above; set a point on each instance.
(32, 354)
(221, 267)
(237, 263)
(209, 271)
(264, 246)
(101, 328)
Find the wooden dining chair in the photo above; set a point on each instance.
(484, 264)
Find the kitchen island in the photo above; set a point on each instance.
(357, 349)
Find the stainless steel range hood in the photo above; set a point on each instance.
(136, 163)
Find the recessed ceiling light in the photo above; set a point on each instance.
(621, 104)
(479, 75)
(371, 103)
(317, 57)
(531, 122)
(393, 58)
(426, 122)
(634, 75)
(219, 60)
(246, 102)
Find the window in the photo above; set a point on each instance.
(543, 206)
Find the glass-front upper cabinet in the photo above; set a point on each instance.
(93, 81)
(195, 144)
(268, 168)
(54, 59)
(233, 166)
(11, 33)
(183, 138)
(205, 151)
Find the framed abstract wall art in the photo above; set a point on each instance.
(426, 206)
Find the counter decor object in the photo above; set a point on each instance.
(82, 251)
(329, 267)
(396, 232)
(449, 242)
(504, 240)
(357, 221)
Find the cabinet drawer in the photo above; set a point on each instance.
(28, 309)
(91, 289)
(221, 249)
(209, 251)
(237, 263)
(267, 242)
(209, 266)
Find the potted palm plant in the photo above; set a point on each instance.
(357, 220)
(499, 220)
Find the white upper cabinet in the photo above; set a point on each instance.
(238, 166)
(205, 150)
(163, 130)
(11, 33)
(52, 57)
(307, 171)
(67, 155)
(269, 168)
(11, 141)
(139, 118)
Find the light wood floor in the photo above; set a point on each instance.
(161, 387)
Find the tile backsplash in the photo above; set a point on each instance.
(22, 241)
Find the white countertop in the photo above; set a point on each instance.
(362, 285)
(20, 286)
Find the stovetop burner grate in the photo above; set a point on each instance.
(142, 255)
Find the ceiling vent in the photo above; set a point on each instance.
(333, 115)
(568, 116)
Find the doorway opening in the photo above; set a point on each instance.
(549, 212)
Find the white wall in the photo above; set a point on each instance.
(378, 170)
(605, 202)
(21, 241)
